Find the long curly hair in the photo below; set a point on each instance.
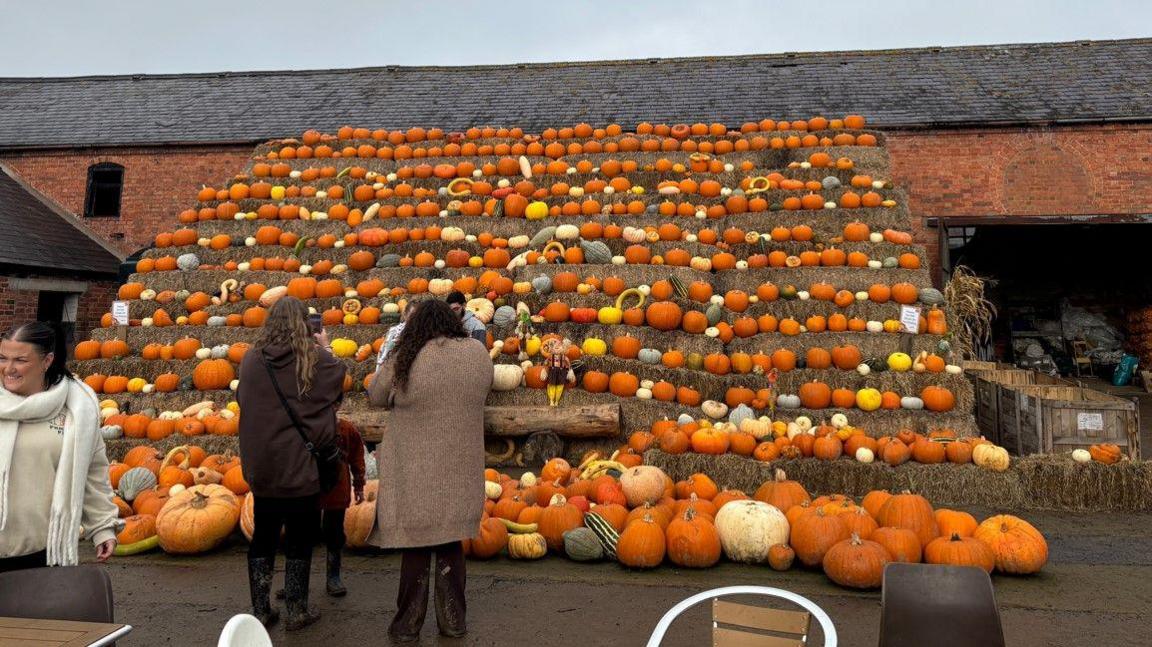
(287, 325)
(431, 319)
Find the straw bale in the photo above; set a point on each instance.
(119, 448)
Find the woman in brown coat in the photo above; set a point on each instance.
(277, 465)
(431, 462)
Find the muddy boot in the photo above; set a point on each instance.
(450, 603)
(300, 615)
(334, 586)
(259, 583)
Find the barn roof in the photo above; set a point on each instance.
(1047, 83)
(38, 234)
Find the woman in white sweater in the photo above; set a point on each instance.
(53, 468)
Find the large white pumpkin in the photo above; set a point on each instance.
(506, 377)
(643, 484)
(749, 528)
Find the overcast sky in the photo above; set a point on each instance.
(82, 37)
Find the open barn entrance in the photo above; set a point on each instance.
(1066, 287)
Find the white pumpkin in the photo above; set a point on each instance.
(911, 402)
(528, 479)
(839, 421)
(714, 409)
(805, 423)
(203, 353)
(220, 351)
(991, 457)
(875, 326)
(482, 308)
(749, 528)
(760, 428)
(788, 401)
(865, 455)
(644, 393)
(506, 377)
(953, 369)
(492, 490)
(684, 419)
(1081, 456)
(643, 484)
(518, 242)
(567, 232)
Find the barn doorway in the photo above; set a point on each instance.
(60, 307)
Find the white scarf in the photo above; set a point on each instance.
(81, 431)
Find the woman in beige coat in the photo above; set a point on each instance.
(431, 462)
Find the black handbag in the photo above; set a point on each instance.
(329, 463)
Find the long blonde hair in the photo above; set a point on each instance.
(287, 325)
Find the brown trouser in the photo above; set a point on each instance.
(412, 599)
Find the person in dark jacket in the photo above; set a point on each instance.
(472, 326)
(278, 467)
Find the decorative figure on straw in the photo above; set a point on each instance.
(557, 370)
(524, 328)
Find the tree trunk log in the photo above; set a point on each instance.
(583, 421)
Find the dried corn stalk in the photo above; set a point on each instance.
(969, 313)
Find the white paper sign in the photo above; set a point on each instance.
(120, 313)
(1090, 421)
(910, 318)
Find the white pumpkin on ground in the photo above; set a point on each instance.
(643, 484)
(749, 528)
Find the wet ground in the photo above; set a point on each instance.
(1094, 591)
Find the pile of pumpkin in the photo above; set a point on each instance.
(196, 420)
(186, 502)
(768, 440)
(641, 519)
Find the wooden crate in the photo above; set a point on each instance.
(986, 385)
(1053, 419)
(978, 365)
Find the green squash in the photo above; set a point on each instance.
(714, 312)
(142, 546)
(596, 252)
(650, 356)
(931, 296)
(542, 284)
(388, 260)
(135, 481)
(694, 361)
(891, 262)
(542, 237)
(876, 364)
(582, 545)
(604, 532)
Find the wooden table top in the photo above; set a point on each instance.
(30, 632)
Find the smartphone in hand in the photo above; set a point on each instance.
(315, 323)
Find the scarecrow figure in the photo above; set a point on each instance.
(524, 328)
(557, 370)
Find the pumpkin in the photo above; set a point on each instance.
(955, 522)
(782, 493)
(856, 563)
(693, 540)
(780, 557)
(911, 511)
(991, 457)
(814, 534)
(134, 481)
(213, 374)
(197, 519)
(1017, 547)
(527, 546)
(490, 540)
(558, 518)
(748, 529)
(955, 550)
(902, 544)
(642, 544)
(643, 484)
(582, 545)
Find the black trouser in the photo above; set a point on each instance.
(334, 529)
(31, 560)
(299, 516)
(412, 598)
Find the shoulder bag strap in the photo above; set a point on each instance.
(296, 422)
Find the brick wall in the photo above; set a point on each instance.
(1072, 170)
(19, 306)
(159, 182)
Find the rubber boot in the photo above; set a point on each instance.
(300, 615)
(451, 606)
(334, 586)
(260, 583)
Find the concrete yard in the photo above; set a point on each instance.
(1094, 591)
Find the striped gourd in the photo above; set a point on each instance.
(679, 287)
(604, 532)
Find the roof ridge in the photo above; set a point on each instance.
(582, 63)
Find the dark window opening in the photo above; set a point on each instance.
(105, 182)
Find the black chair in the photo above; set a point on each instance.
(928, 605)
(77, 593)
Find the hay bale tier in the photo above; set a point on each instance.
(768, 257)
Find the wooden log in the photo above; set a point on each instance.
(581, 421)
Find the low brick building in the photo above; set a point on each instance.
(51, 267)
(984, 139)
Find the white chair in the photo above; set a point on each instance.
(781, 622)
(244, 630)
